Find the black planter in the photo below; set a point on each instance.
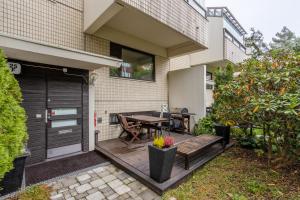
(223, 131)
(12, 180)
(161, 162)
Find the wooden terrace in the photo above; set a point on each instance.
(134, 160)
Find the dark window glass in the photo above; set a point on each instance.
(136, 64)
(209, 86)
(113, 119)
(209, 76)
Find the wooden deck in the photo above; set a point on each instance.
(135, 161)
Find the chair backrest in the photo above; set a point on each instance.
(123, 121)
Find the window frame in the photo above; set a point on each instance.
(113, 47)
(210, 75)
(113, 116)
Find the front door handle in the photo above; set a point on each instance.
(46, 116)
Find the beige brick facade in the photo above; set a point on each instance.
(176, 14)
(60, 23)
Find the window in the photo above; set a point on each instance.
(209, 76)
(113, 119)
(63, 123)
(63, 111)
(209, 86)
(136, 65)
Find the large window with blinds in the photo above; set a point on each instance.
(136, 64)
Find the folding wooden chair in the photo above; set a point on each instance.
(130, 128)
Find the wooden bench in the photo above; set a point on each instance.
(195, 145)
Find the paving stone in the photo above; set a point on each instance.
(62, 190)
(83, 177)
(115, 183)
(131, 179)
(102, 186)
(57, 197)
(126, 181)
(109, 178)
(122, 189)
(74, 186)
(81, 196)
(95, 196)
(132, 194)
(99, 170)
(67, 195)
(72, 198)
(83, 188)
(57, 186)
(68, 181)
(135, 185)
(73, 192)
(53, 193)
(121, 176)
(113, 196)
(148, 195)
(107, 191)
(97, 183)
(104, 174)
(91, 191)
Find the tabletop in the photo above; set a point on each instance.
(147, 119)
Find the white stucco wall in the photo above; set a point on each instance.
(215, 51)
(187, 89)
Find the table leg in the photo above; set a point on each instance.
(189, 129)
(148, 133)
(187, 163)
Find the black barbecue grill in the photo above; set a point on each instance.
(181, 119)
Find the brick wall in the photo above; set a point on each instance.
(115, 95)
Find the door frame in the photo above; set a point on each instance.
(84, 74)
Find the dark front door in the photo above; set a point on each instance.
(56, 105)
(64, 108)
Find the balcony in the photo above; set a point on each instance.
(162, 27)
(234, 51)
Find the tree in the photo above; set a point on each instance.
(266, 94)
(286, 39)
(13, 134)
(256, 43)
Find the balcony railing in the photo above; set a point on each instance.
(197, 6)
(237, 43)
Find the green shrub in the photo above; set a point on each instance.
(13, 134)
(204, 126)
(266, 94)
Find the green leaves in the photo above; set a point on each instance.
(13, 134)
(266, 94)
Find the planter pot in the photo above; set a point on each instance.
(223, 131)
(161, 162)
(12, 180)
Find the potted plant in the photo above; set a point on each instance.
(223, 131)
(13, 133)
(161, 158)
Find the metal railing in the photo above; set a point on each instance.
(237, 43)
(198, 7)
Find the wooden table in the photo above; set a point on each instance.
(148, 120)
(195, 145)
